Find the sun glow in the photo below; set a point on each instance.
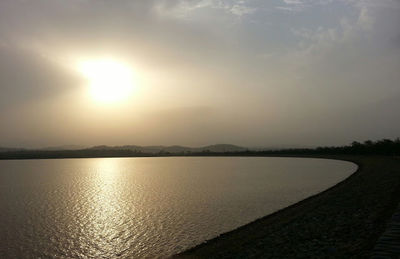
(110, 81)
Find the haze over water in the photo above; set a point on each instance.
(145, 207)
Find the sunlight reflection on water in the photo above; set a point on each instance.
(145, 207)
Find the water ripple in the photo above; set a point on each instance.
(144, 207)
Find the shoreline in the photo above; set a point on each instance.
(343, 221)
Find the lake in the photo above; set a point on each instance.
(145, 207)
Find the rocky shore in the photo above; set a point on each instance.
(344, 221)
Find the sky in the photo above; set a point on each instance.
(251, 73)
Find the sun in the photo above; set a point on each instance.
(109, 80)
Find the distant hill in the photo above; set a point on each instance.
(52, 148)
(10, 149)
(218, 148)
(65, 147)
(173, 149)
(221, 148)
(280, 147)
(368, 147)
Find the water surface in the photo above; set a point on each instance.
(145, 207)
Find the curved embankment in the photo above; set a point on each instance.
(341, 222)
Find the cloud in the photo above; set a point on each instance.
(184, 9)
(303, 5)
(315, 43)
(289, 2)
(241, 10)
(27, 76)
(365, 19)
(297, 61)
(293, 5)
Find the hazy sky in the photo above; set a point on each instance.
(252, 73)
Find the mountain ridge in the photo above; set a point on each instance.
(173, 148)
(136, 148)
